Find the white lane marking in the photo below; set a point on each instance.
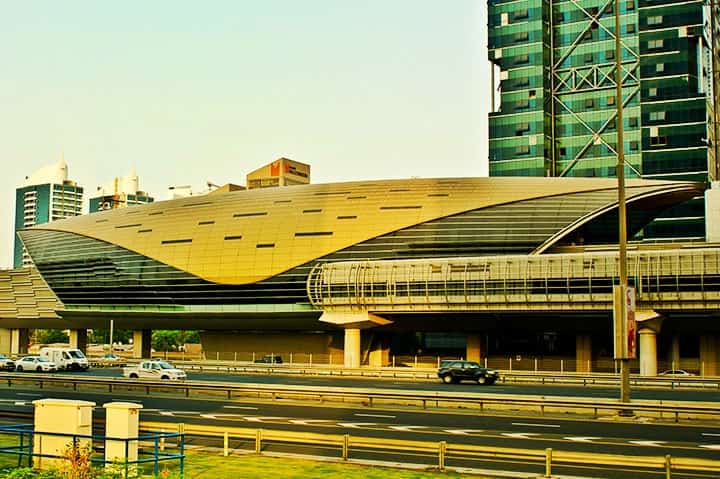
(648, 443)
(29, 394)
(19, 403)
(520, 435)
(534, 424)
(219, 415)
(710, 446)
(407, 428)
(306, 422)
(356, 424)
(252, 408)
(581, 438)
(261, 418)
(374, 415)
(710, 434)
(463, 432)
(166, 413)
(172, 413)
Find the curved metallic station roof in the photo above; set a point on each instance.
(243, 237)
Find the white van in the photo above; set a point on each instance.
(66, 358)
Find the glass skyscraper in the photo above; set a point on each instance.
(554, 94)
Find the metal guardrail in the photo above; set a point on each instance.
(371, 397)
(427, 374)
(443, 450)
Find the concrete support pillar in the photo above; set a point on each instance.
(19, 341)
(65, 417)
(352, 348)
(78, 339)
(709, 355)
(583, 353)
(674, 354)
(142, 344)
(648, 352)
(122, 421)
(473, 348)
(5, 341)
(379, 352)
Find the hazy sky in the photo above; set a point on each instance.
(190, 91)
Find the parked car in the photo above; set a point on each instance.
(270, 359)
(109, 359)
(456, 371)
(675, 373)
(6, 363)
(35, 363)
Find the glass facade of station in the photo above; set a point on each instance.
(554, 90)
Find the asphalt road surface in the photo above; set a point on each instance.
(516, 430)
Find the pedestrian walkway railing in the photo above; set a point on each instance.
(19, 447)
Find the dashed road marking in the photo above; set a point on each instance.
(711, 446)
(29, 394)
(581, 438)
(463, 432)
(356, 424)
(262, 418)
(711, 434)
(19, 403)
(407, 428)
(520, 435)
(307, 422)
(375, 415)
(648, 443)
(252, 408)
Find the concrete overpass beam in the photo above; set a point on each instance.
(648, 352)
(78, 339)
(142, 343)
(352, 347)
(583, 353)
(19, 341)
(473, 348)
(709, 355)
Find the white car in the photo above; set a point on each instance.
(154, 369)
(35, 363)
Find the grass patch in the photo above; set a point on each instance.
(208, 466)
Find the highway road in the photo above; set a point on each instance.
(710, 395)
(517, 430)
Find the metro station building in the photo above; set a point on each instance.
(360, 267)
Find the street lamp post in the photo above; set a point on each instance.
(622, 213)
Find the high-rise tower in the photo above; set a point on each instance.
(554, 98)
(46, 195)
(119, 193)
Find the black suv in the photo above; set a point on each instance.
(456, 371)
(269, 359)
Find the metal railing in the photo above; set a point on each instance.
(545, 459)
(675, 410)
(671, 279)
(151, 448)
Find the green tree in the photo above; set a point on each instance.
(49, 336)
(165, 340)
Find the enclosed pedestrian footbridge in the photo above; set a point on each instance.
(665, 280)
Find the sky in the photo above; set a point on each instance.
(188, 92)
